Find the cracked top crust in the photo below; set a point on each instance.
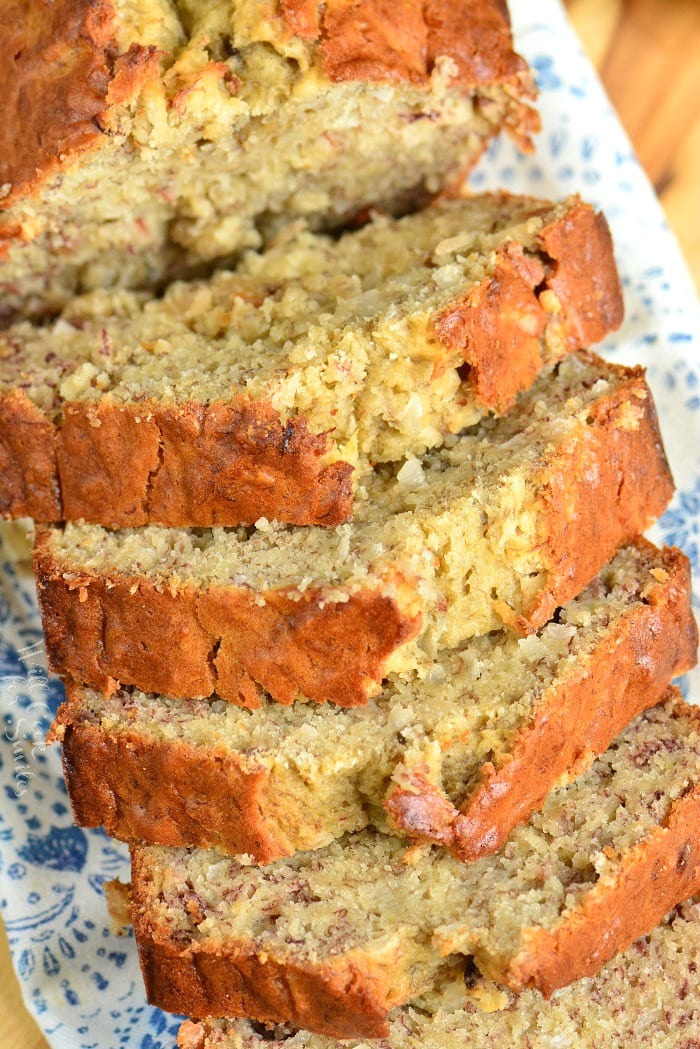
(64, 65)
(60, 71)
(144, 127)
(405, 39)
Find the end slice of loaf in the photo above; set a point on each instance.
(137, 146)
(647, 998)
(332, 940)
(459, 758)
(502, 525)
(269, 392)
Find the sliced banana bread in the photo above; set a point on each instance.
(332, 940)
(140, 140)
(647, 998)
(267, 392)
(459, 758)
(500, 526)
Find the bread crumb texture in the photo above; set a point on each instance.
(138, 155)
(370, 926)
(647, 997)
(271, 391)
(458, 757)
(500, 526)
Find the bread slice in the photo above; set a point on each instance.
(459, 758)
(332, 940)
(138, 141)
(647, 998)
(269, 392)
(500, 526)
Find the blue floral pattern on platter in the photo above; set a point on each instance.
(80, 980)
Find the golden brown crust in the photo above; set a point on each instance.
(342, 997)
(191, 464)
(498, 328)
(602, 492)
(105, 457)
(536, 309)
(28, 473)
(337, 1001)
(476, 35)
(654, 877)
(352, 996)
(252, 460)
(402, 40)
(578, 721)
(327, 651)
(138, 789)
(374, 40)
(100, 630)
(232, 462)
(60, 72)
(596, 493)
(224, 463)
(582, 274)
(168, 792)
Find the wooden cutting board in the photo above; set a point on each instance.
(648, 54)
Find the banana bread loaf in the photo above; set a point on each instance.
(500, 526)
(134, 136)
(332, 940)
(647, 998)
(459, 758)
(269, 391)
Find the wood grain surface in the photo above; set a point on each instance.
(648, 54)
